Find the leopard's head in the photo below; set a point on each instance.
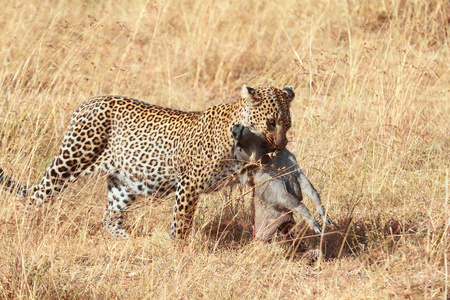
(269, 113)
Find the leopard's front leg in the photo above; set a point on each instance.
(186, 199)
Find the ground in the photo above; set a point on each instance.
(370, 130)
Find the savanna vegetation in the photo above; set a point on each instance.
(370, 130)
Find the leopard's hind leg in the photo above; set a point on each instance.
(81, 153)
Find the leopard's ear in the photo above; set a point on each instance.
(249, 94)
(289, 93)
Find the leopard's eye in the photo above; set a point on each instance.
(288, 124)
(271, 122)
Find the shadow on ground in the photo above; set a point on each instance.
(345, 237)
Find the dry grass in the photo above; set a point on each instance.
(371, 131)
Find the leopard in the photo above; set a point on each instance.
(146, 149)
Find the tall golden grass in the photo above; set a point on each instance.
(370, 129)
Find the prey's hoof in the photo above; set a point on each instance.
(317, 229)
(323, 215)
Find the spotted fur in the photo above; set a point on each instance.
(153, 150)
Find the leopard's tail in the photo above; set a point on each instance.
(11, 186)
